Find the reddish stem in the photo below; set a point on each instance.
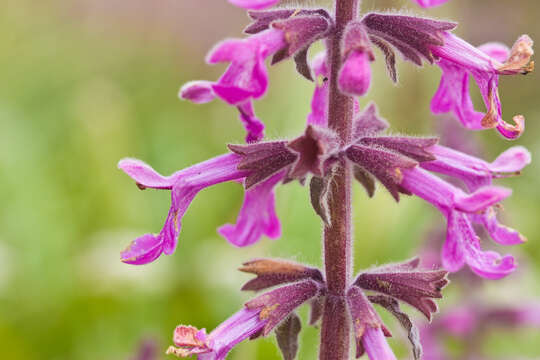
(335, 332)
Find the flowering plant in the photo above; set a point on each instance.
(342, 142)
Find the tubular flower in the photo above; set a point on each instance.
(257, 216)
(369, 330)
(458, 60)
(254, 4)
(430, 3)
(184, 186)
(475, 172)
(319, 102)
(246, 77)
(259, 317)
(216, 345)
(355, 75)
(462, 244)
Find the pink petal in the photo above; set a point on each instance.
(143, 250)
(376, 346)
(257, 216)
(430, 3)
(198, 92)
(355, 76)
(512, 160)
(482, 199)
(144, 175)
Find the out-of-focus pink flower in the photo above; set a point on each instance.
(254, 4)
(430, 3)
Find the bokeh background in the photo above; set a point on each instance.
(84, 83)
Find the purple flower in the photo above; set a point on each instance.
(462, 244)
(254, 4)
(246, 77)
(458, 60)
(216, 345)
(430, 3)
(259, 317)
(319, 102)
(355, 75)
(475, 172)
(184, 186)
(369, 330)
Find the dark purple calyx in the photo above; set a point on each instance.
(414, 148)
(272, 272)
(263, 160)
(406, 283)
(363, 317)
(384, 157)
(368, 122)
(316, 152)
(356, 38)
(277, 304)
(300, 31)
(412, 36)
(392, 305)
(263, 19)
(384, 164)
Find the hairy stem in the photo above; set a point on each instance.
(335, 332)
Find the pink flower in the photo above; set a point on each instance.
(184, 186)
(430, 3)
(458, 60)
(460, 209)
(254, 4)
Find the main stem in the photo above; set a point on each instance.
(335, 331)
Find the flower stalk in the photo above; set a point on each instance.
(337, 243)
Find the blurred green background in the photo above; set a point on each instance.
(84, 83)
